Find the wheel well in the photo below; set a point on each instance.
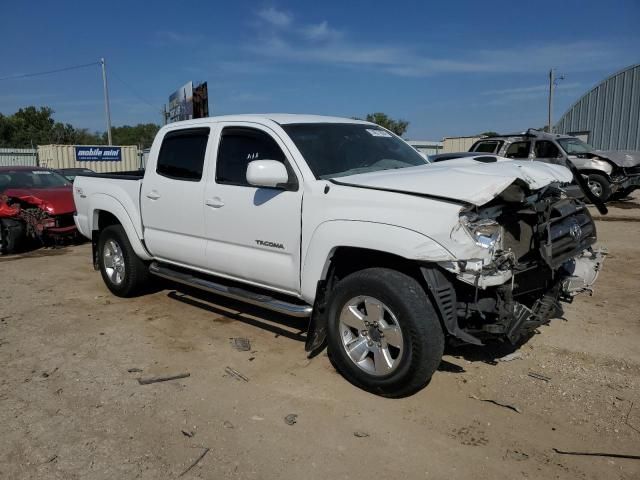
(597, 172)
(347, 260)
(105, 219)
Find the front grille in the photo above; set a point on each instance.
(568, 230)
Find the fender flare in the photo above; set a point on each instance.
(107, 203)
(331, 235)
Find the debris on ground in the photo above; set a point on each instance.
(206, 450)
(227, 424)
(235, 374)
(597, 454)
(510, 357)
(360, 434)
(291, 419)
(539, 376)
(134, 370)
(148, 380)
(188, 433)
(241, 344)
(516, 455)
(498, 403)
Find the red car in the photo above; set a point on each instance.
(35, 204)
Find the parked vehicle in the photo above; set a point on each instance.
(342, 222)
(71, 173)
(609, 172)
(35, 204)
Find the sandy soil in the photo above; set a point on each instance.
(70, 408)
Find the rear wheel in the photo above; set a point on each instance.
(384, 335)
(122, 270)
(599, 186)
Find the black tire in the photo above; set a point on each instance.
(12, 237)
(602, 184)
(422, 335)
(136, 273)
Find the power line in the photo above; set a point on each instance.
(132, 90)
(48, 72)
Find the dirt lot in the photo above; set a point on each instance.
(70, 407)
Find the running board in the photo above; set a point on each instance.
(264, 301)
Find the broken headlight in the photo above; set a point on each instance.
(486, 233)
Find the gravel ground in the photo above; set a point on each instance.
(71, 406)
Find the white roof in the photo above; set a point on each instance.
(281, 118)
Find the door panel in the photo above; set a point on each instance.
(252, 233)
(172, 198)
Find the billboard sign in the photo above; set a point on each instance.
(95, 153)
(181, 103)
(200, 101)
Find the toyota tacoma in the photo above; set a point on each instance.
(342, 223)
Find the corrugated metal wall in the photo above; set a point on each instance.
(609, 113)
(64, 156)
(10, 157)
(457, 144)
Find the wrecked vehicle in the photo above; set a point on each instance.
(611, 174)
(342, 222)
(36, 205)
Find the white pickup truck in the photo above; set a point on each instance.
(342, 222)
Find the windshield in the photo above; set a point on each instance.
(340, 149)
(31, 179)
(574, 146)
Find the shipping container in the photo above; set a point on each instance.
(458, 144)
(99, 158)
(11, 157)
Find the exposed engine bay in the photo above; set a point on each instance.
(539, 254)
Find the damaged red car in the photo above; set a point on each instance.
(36, 206)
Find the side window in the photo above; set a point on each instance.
(546, 149)
(238, 147)
(182, 154)
(486, 146)
(518, 150)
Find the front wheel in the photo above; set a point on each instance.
(384, 335)
(122, 270)
(599, 186)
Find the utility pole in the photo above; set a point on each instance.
(107, 109)
(552, 85)
(550, 100)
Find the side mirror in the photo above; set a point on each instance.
(267, 173)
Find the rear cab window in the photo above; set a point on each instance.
(182, 154)
(518, 150)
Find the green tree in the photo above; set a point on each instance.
(490, 133)
(399, 127)
(141, 135)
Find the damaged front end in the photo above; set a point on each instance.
(536, 251)
(25, 219)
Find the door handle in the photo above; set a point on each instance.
(215, 202)
(153, 195)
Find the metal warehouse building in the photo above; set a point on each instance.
(608, 116)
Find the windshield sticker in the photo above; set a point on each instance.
(41, 172)
(378, 133)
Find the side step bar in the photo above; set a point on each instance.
(264, 301)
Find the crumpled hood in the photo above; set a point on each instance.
(463, 179)
(54, 200)
(622, 158)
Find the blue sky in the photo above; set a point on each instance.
(449, 68)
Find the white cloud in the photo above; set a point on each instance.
(319, 43)
(320, 31)
(275, 17)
